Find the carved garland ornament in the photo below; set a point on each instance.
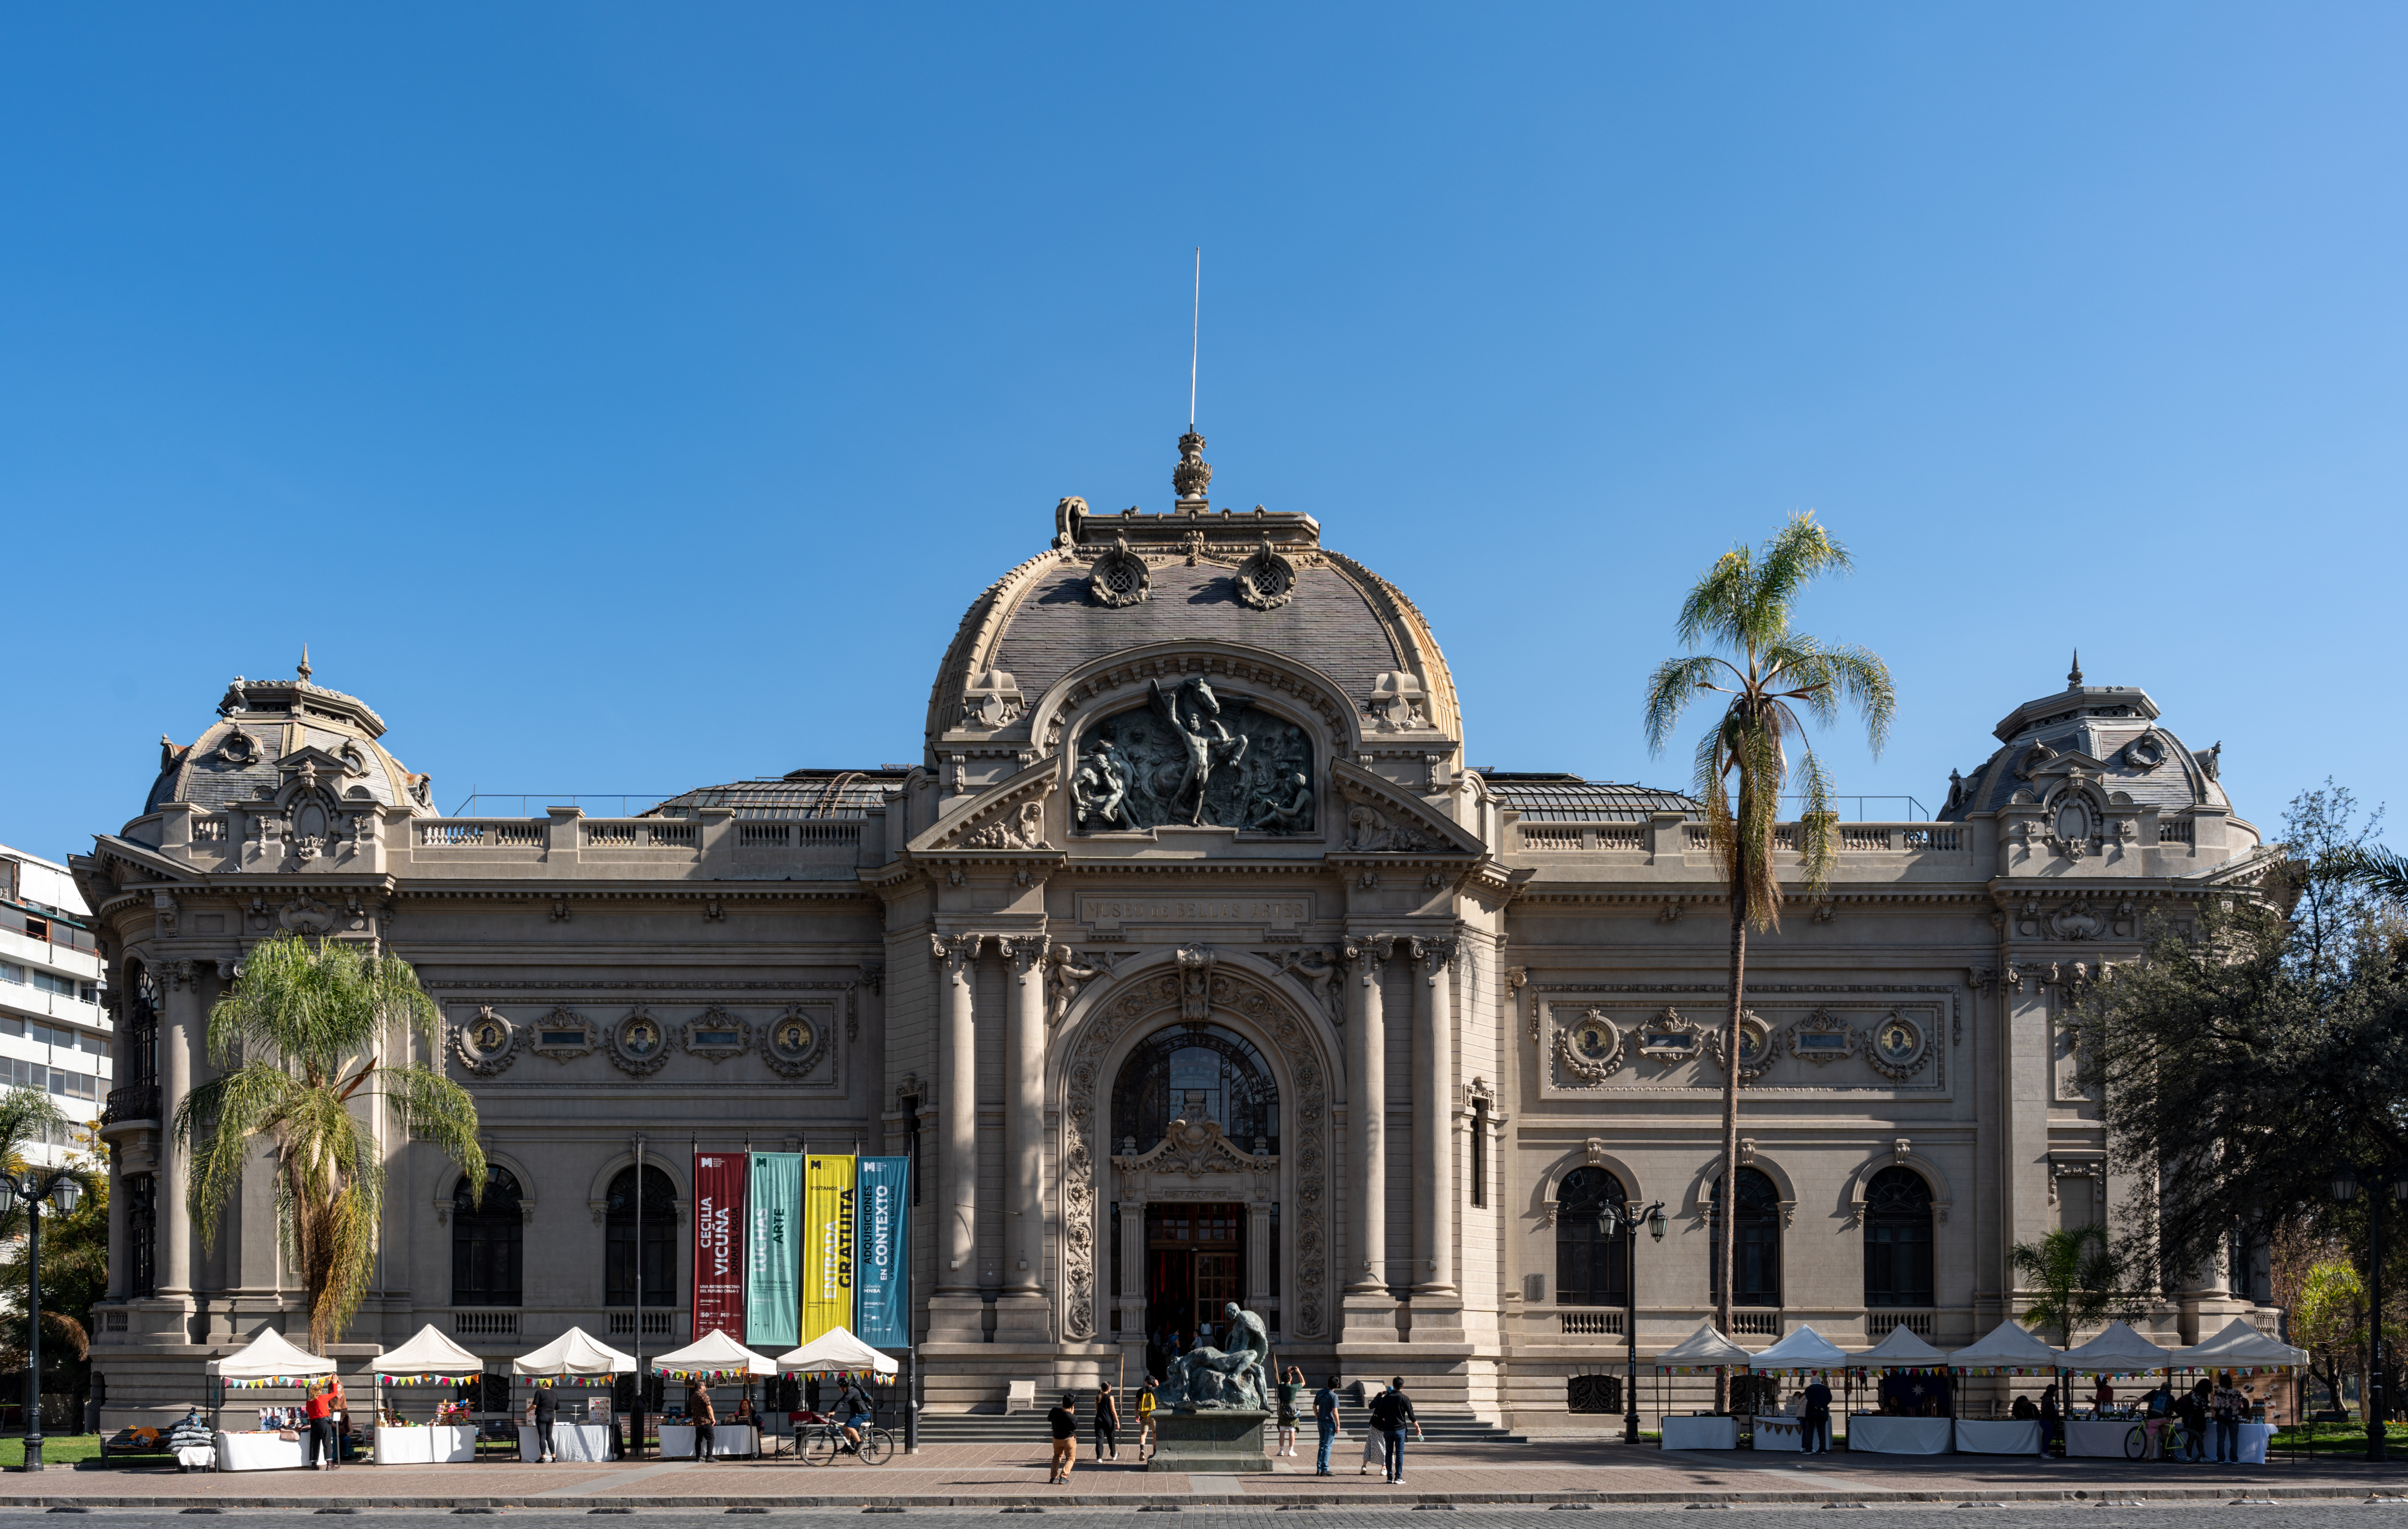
(794, 1043)
(487, 1044)
(1590, 1046)
(1119, 577)
(1147, 1001)
(637, 1044)
(1266, 580)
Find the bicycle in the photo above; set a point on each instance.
(823, 1444)
(2172, 1440)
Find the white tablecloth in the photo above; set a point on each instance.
(569, 1441)
(2092, 1439)
(1998, 1436)
(1700, 1433)
(1777, 1430)
(446, 1445)
(1878, 1433)
(677, 1440)
(258, 1453)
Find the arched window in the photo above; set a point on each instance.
(1898, 1239)
(1196, 1071)
(1590, 1260)
(1757, 1255)
(487, 1240)
(657, 1226)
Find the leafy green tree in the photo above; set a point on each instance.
(1740, 612)
(2254, 1047)
(2328, 1320)
(299, 1039)
(2076, 1278)
(75, 1278)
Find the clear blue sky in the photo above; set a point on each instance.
(623, 399)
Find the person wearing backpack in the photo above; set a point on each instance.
(2228, 1406)
(1145, 1406)
(1392, 1410)
(2192, 1409)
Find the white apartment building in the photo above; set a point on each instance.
(54, 1033)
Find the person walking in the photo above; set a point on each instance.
(1392, 1410)
(1064, 1420)
(2051, 1421)
(338, 1408)
(1814, 1420)
(1291, 1399)
(1325, 1421)
(706, 1422)
(1145, 1405)
(319, 1455)
(1107, 1423)
(2227, 1404)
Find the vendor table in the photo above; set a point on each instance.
(1876, 1432)
(2003, 1437)
(2107, 1439)
(728, 1438)
(441, 1445)
(569, 1441)
(1775, 1431)
(258, 1453)
(1700, 1433)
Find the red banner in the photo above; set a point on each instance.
(718, 1242)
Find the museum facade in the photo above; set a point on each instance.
(1194, 961)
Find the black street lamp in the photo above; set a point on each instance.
(1628, 1219)
(2345, 1189)
(61, 1188)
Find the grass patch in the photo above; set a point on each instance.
(2338, 1437)
(67, 1449)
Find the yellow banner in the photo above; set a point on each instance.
(827, 1245)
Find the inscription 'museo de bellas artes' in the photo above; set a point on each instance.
(1195, 910)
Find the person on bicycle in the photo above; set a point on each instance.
(2157, 1407)
(852, 1406)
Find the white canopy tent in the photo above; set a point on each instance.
(268, 1358)
(1804, 1350)
(430, 1352)
(2238, 1346)
(1901, 1350)
(714, 1356)
(2119, 1350)
(836, 1351)
(1705, 1349)
(2007, 1347)
(574, 1353)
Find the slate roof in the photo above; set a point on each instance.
(1542, 797)
(796, 795)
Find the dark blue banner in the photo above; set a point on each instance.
(883, 1240)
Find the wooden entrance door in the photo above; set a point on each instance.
(1217, 1284)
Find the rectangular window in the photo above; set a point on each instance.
(1478, 1151)
(11, 972)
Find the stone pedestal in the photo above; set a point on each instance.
(1209, 1443)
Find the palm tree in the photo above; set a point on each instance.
(2078, 1278)
(27, 1116)
(298, 1036)
(1741, 611)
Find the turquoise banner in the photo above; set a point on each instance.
(882, 1282)
(772, 1252)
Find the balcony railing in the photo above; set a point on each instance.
(1606, 1322)
(485, 1325)
(657, 1324)
(135, 1101)
(1762, 1323)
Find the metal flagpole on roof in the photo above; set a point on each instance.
(1194, 334)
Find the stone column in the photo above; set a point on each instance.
(953, 1314)
(1369, 1316)
(1433, 1286)
(1258, 1257)
(180, 1043)
(120, 1266)
(1022, 1312)
(1129, 1295)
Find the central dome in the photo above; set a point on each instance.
(1224, 578)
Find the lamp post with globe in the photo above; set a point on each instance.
(1628, 1219)
(59, 1188)
(2345, 1189)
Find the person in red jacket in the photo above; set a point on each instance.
(319, 1454)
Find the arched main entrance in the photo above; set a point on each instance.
(1208, 1086)
(1229, 1037)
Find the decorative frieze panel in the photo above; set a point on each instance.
(1889, 1039)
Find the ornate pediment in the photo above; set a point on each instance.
(1010, 816)
(1195, 1147)
(1385, 819)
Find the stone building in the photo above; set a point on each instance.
(1193, 962)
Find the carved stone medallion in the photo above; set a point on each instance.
(1755, 1045)
(487, 1044)
(1590, 1046)
(1154, 1001)
(1900, 1046)
(1194, 756)
(639, 1044)
(794, 1043)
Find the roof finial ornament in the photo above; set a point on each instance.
(2073, 677)
(304, 669)
(1193, 475)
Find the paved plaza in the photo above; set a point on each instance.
(990, 1477)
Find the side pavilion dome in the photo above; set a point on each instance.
(265, 730)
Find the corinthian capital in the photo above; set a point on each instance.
(955, 953)
(1023, 951)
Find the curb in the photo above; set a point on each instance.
(581, 1503)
